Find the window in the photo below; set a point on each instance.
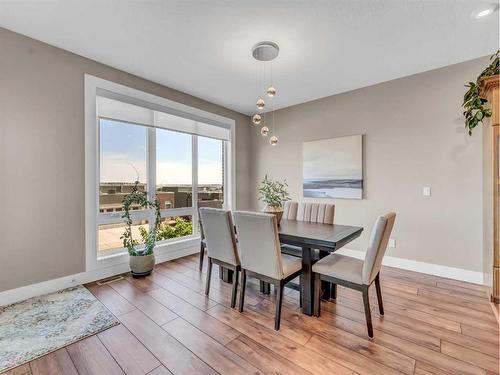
(122, 161)
(174, 169)
(170, 151)
(210, 172)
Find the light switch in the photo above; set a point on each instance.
(426, 191)
(392, 242)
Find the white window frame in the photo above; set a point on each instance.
(93, 85)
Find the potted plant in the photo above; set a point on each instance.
(273, 193)
(142, 258)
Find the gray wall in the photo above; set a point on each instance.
(414, 137)
(42, 156)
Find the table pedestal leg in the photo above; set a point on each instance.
(226, 274)
(265, 288)
(325, 285)
(307, 281)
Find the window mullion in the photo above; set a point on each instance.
(151, 173)
(194, 160)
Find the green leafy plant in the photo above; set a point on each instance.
(475, 110)
(181, 228)
(274, 193)
(133, 246)
(165, 231)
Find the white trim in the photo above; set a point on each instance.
(488, 279)
(194, 183)
(230, 178)
(422, 267)
(141, 98)
(19, 294)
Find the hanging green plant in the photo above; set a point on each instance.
(133, 246)
(475, 110)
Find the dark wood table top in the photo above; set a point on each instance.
(317, 235)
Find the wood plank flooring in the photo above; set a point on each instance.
(431, 325)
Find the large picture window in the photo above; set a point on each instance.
(172, 155)
(210, 172)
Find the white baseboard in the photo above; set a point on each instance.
(19, 294)
(422, 267)
(488, 279)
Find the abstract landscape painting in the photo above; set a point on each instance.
(333, 168)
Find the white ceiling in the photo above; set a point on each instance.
(203, 47)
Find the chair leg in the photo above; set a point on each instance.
(202, 254)
(368, 315)
(280, 285)
(209, 276)
(317, 295)
(243, 287)
(379, 295)
(235, 288)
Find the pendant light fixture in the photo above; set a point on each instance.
(260, 104)
(256, 119)
(271, 91)
(265, 53)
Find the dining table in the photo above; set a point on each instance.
(315, 240)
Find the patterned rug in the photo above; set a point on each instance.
(40, 325)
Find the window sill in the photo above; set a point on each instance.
(163, 251)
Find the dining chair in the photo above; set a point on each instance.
(316, 212)
(203, 243)
(261, 255)
(290, 210)
(355, 273)
(221, 245)
(310, 212)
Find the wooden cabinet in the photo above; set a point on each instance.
(490, 91)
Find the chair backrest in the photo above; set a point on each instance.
(290, 210)
(316, 212)
(259, 243)
(379, 238)
(219, 234)
(201, 203)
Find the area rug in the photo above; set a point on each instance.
(40, 325)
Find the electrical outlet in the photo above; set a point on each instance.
(392, 242)
(426, 191)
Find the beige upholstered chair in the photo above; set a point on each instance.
(355, 273)
(304, 211)
(221, 244)
(316, 212)
(261, 255)
(290, 210)
(203, 243)
(311, 212)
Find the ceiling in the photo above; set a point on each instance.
(204, 47)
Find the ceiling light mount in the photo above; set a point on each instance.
(265, 51)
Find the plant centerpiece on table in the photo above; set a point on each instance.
(142, 258)
(475, 109)
(273, 193)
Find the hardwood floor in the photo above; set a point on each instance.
(431, 325)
